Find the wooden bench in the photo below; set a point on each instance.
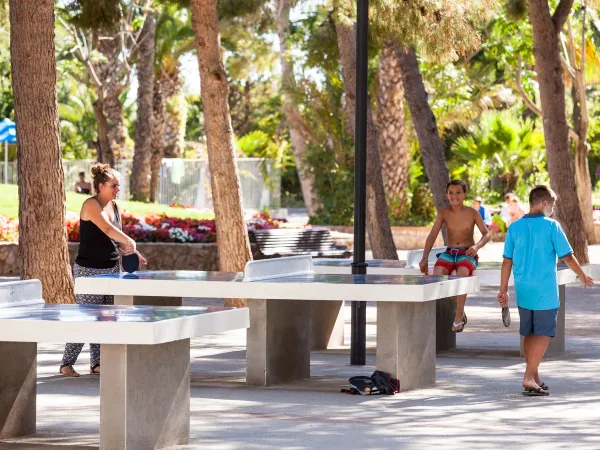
(144, 402)
(316, 242)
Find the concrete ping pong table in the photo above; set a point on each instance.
(488, 274)
(278, 340)
(145, 359)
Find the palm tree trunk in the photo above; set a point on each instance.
(140, 174)
(583, 179)
(42, 233)
(105, 154)
(390, 127)
(432, 148)
(159, 110)
(378, 221)
(232, 234)
(175, 125)
(291, 110)
(546, 29)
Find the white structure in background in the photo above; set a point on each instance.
(187, 181)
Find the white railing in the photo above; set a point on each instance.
(184, 181)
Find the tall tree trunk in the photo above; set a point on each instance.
(389, 119)
(378, 221)
(42, 233)
(111, 87)
(165, 87)
(583, 179)
(105, 154)
(159, 109)
(291, 110)
(232, 234)
(175, 125)
(546, 29)
(430, 143)
(140, 174)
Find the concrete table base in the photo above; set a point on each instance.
(148, 300)
(145, 395)
(445, 337)
(18, 388)
(557, 343)
(406, 342)
(278, 341)
(327, 324)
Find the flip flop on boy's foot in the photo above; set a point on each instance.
(458, 327)
(535, 392)
(544, 386)
(506, 316)
(464, 318)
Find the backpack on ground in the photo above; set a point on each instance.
(385, 383)
(378, 383)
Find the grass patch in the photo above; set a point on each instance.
(9, 205)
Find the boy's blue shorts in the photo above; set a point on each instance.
(538, 322)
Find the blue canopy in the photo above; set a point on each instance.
(8, 133)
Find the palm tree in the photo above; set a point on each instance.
(232, 234)
(174, 38)
(43, 240)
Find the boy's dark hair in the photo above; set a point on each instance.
(460, 183)
(540, 193)
(82, 174)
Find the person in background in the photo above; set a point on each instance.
(101, 237)
(83, 186)
(515, 209)
(505, 210)
(483, 210)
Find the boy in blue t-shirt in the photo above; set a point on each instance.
(532, 246)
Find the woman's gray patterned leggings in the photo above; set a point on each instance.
(72, 350)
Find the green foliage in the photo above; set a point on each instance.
(503, 153)
(422, 208)
(94, 14)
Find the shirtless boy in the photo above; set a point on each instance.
(461, 254)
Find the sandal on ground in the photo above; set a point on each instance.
(539, 392)
(70, 372)
(458, 327)
(95, 370)
(544, 386)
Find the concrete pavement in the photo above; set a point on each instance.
(475, 404)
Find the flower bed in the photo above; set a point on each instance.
(151, 228)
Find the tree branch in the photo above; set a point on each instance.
(530, 104)
(561, 13)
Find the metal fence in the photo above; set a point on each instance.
(185, 181)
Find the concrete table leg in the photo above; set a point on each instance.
(147, 300)
(145, 395)
(18, 377)
(445, 337)
(557, 344)
(327, 324)
(406, 342)
(278, 341)
(157, 301)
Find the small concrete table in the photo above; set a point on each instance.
(278, 341)
(488, 274)
(145, 359)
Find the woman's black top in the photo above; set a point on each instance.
(96, 249)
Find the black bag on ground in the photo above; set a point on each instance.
(385, 383)
(362, 385)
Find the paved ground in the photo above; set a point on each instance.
(475, 404)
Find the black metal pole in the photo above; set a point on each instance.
(358, 338)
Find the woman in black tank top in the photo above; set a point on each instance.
(101, 237)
